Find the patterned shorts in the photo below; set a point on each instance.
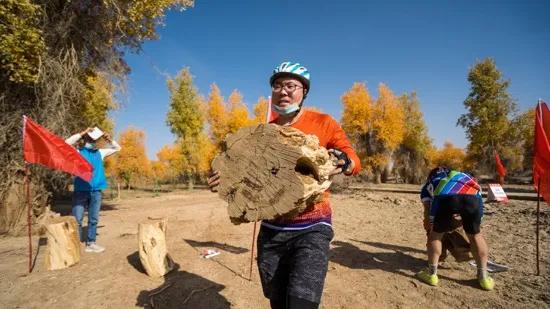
(294, 262)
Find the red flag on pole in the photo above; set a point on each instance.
(42, 147)
(541, 155)
(501, 170)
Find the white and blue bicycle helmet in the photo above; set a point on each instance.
(293, 69)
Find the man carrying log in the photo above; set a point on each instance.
(446, 193)
(293, 252)
(87, 195)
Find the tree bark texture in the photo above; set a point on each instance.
(63, 243)
(153, 252)
(268, 171)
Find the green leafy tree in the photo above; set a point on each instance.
(48, 51)
(99, 100)
(186, 121)
(21, 40)
(521, 134)
(487, 121)
(412, 156)
(185, 117)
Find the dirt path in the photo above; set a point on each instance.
(378, 246)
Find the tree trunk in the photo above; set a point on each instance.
(269, 171)
(63, 243)
(152, 248)
(13, 206)
(377, 177)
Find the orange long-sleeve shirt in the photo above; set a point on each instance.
(331, 136)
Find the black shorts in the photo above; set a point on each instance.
(294, 262)
(470, 208)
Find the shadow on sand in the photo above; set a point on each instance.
(213, 244)
(180, 289)
(397, 262)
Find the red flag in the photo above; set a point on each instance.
(270, 115)
(541, 153)
(42, 147)
(501, 170)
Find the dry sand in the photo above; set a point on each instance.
(379, 244)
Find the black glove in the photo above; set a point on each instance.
(340, 155)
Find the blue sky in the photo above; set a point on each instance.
(422, 46)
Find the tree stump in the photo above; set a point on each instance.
(152, 248)
(268, 171)
(63, 243)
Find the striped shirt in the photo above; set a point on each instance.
(453, 182)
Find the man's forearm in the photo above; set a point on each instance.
(73, 139)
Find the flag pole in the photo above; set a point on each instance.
(537, 231)
(252, 249)
(29, 218)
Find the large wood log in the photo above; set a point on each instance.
(268, 171)
(63, 243)
(153, 253)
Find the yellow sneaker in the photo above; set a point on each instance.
(424, 276)
(487, 283)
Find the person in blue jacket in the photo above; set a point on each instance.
(87, 195)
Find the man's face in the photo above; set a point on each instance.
(287, 91)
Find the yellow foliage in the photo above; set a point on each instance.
(99, 100)
(260, 110)
(21, 40)
(198, 154)
(147, 14)
(171, 158)
(225, 118)
(389, 118)
(216, 114)
(357, 112)
(450, 156)
(159, 170)
(132, 162)
(238, 113)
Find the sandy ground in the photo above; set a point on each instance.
(378, 246)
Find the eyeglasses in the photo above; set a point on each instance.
(289, 87)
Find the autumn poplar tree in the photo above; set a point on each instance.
(131, 163)
(487, 120)
(238, 112)
(412, 155)
(260, 110)
(186, 121)
(389, 130)
(521, 134)
(449, 156)
(216, 115)
(53, 56)
(171, 158)
(357, 118)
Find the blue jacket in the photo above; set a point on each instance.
(99, 181)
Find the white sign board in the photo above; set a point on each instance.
(95, 133)
(496, 193)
